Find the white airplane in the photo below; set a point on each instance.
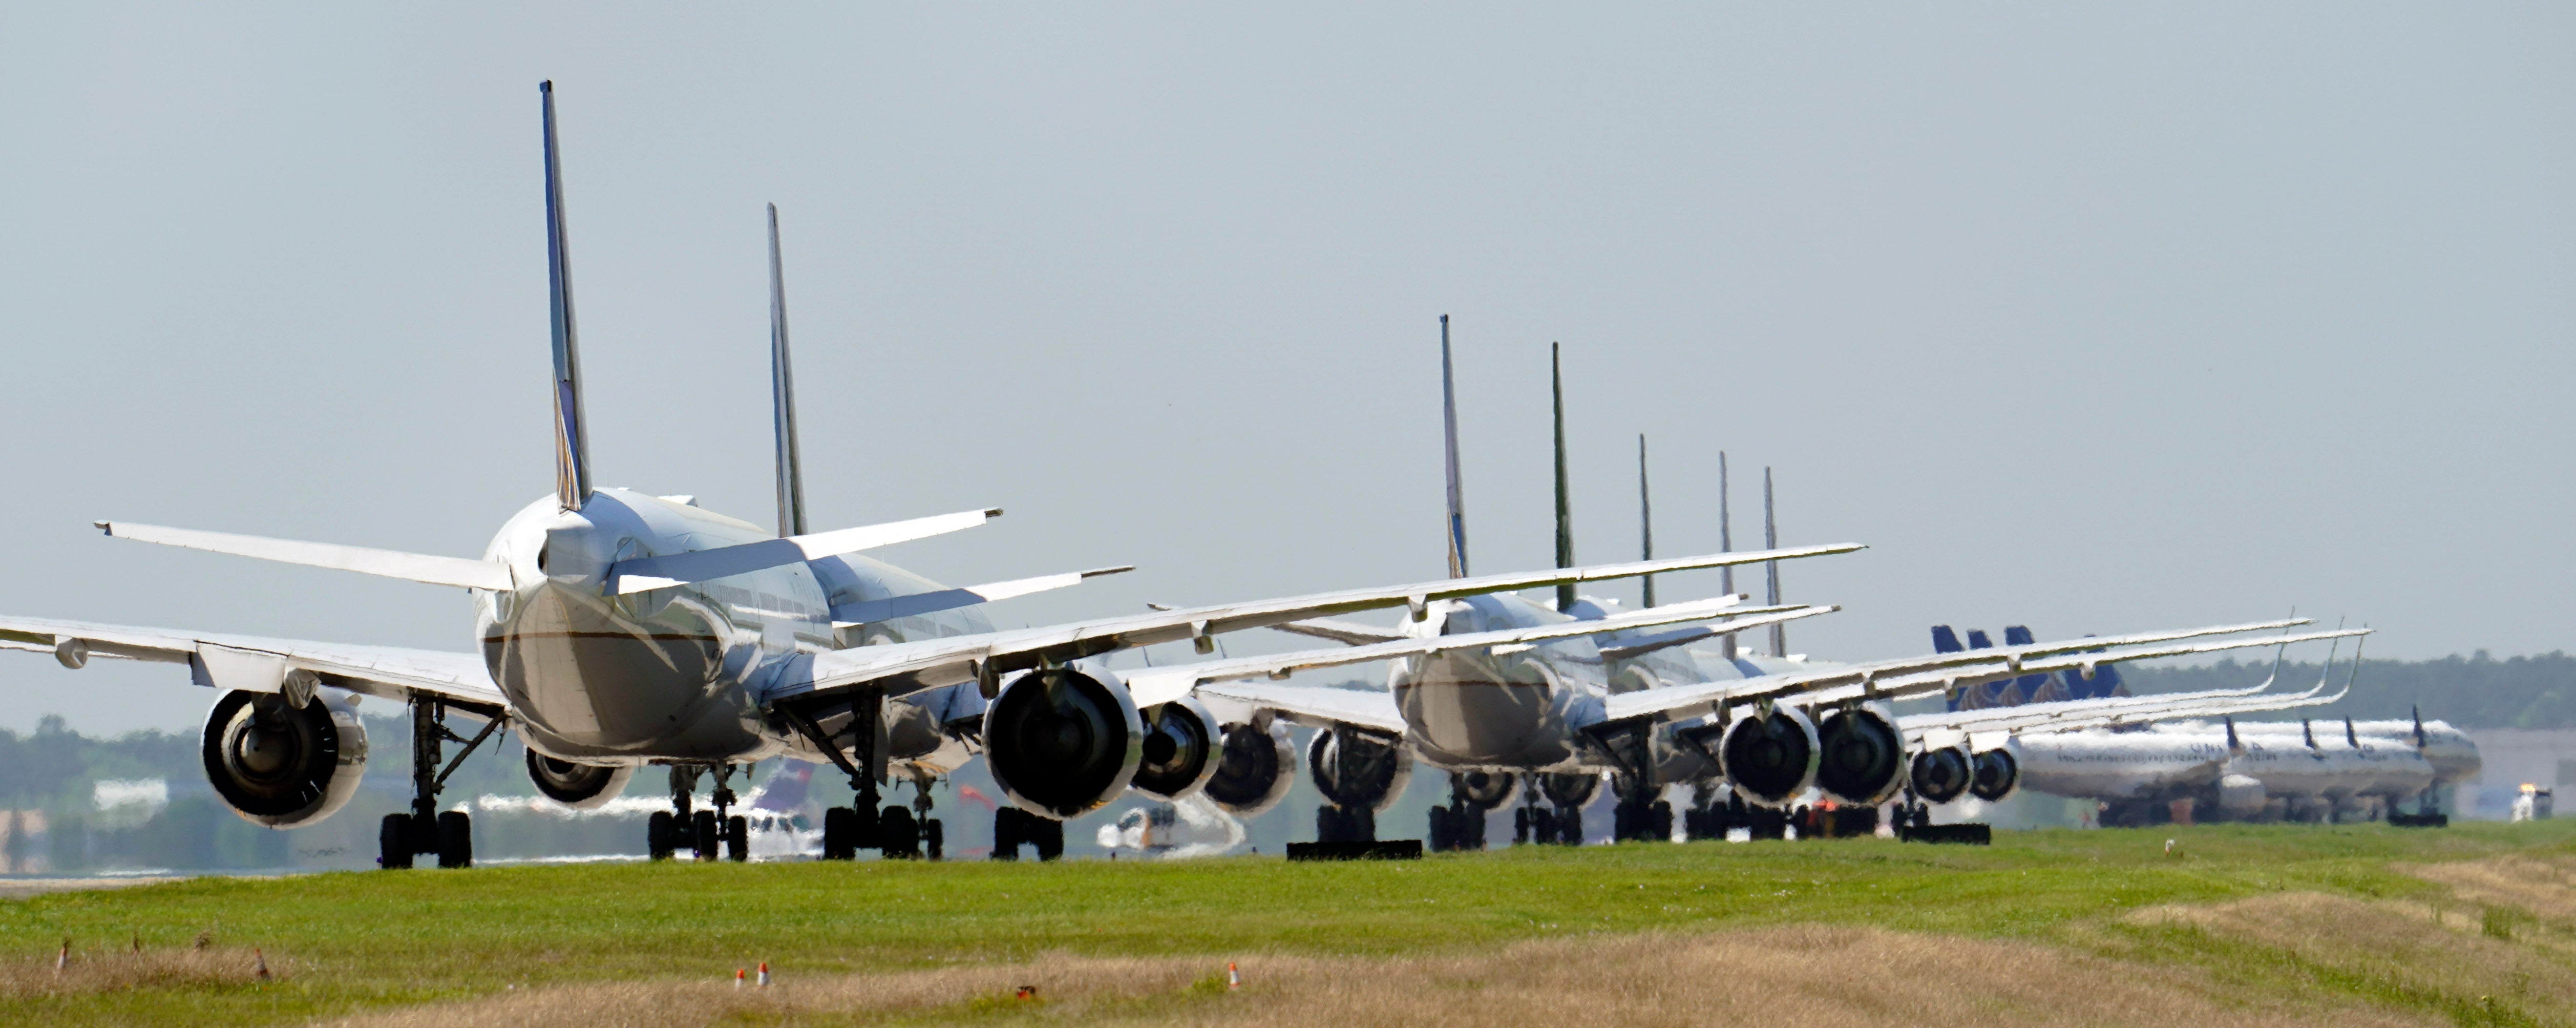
(615, 629)
(1498, 689)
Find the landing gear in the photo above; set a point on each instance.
(1461, 824)
(661, 835)
(1640, 816)
(1337, 823)
(892, 831)
(1013, 828)
(426, 829)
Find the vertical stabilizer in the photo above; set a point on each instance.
(1725, 544)
(1771, 568)
(1449, 435)
(1645, 521)
(572, 433)
(1564, 499)
(782, 397)
(1945, 639)
(2233, 745)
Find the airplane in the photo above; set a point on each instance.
(615, 629)
(1556, 718)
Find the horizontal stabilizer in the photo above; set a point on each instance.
(415, 567)
(892, 607)
(645, 573)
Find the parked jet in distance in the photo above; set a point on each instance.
(617, 629)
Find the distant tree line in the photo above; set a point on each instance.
(2476, 691)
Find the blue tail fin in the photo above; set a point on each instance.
(1944, 640)
(2025, 688)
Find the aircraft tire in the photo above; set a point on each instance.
(703, 836)
(837, 828)
(1570, 822)
(1437, 840)
(1661, 820)
(738, 838)
(1520, 826)
(934, 839)
(393, 843)
(1007, 836)
(455, 839)
(897, 835)
(658, 833)
(1049, 836)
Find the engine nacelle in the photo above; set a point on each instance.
(1994, 775)
(1860, 756)
(1942, 775)
(2241, 795)
(1485, 790)
(280, 765)
(1181, 750)
(1354, 769)
(1770, 760)
(1061, 743)
(579, 786)
(1255, 771)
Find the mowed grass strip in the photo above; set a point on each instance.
(344, 942)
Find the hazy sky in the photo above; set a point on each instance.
(2101, 318)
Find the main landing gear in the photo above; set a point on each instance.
(1014, 828)
(1461, 824)
(1562, 820)
(707, 834)
(892, 831)
(1642, 814)
(426, 829)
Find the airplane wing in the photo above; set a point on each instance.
(2071, 715)
(1348, 633)
(262, 664)
(904, 667)
(1892, 679)
(1316, 706)
(1165, 684)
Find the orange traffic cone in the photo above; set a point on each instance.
(764, 974)
(738, 974)
(1233, 978)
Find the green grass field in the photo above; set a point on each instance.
(351, 941)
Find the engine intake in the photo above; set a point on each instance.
(1354, 769)
(1180, 750)
(281, 765)
(1254, 772)
(579, 786)
(1060, 742)
(1771, 759)
(1997, 772)
(1861, 758)
(1942, 775)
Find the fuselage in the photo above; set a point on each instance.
(669, 674)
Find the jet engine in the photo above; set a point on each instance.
(1770, 760)
(1060, 742)
(281, 765)
(1254, 771)
(1485, 790)
(579, 786)
(2241, 795)
(1355, 769)
(1942, 775)
(1180, 750)
(1994, 775)
(1860, 756)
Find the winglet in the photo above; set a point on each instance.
(1771, 541)
(782, 395)
(1725, 544)
(572, 433)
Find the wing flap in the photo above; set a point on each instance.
(385, 671)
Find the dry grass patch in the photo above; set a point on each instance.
(2542, 888)
(1788, 976)
(2409, 952)
(94, 972)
